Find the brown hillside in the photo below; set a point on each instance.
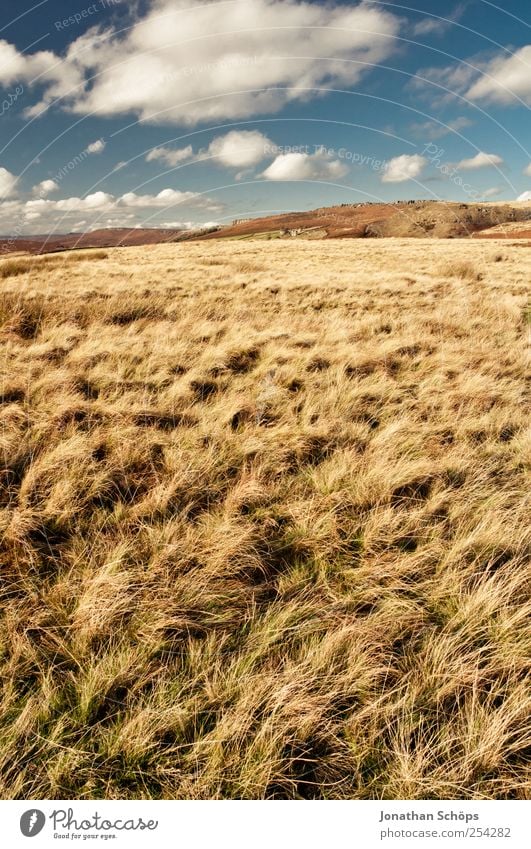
(104, 238)
(419, 219)
(403, 219)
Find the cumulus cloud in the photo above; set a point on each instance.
(170, 157)
(58, 215)
(45, 188)
(165, 198)
(481, 160)
(99, 201)
(235, 149)
(8, 183)
(402, 168)
(95, 201)
(17, 67)
(187, 61)
(505, 78)
(59, 75)
(96, 147)
(525, 196)
(305, 166)
(527, 170)
(240, 148)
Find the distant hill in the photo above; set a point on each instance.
(420, 219)
(104, 238)
(402, 219)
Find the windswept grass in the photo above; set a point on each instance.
(30, 265)
(264, 523)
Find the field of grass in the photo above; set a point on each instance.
(264, 522)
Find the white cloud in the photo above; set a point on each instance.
(461, 123)
(59, 75)
(8, 182)
(480, 160)
(118, 221)
(45, 188)
(525, 196)
(94, 202)
(439, 25)
(402, 168)
(427, 26)
(102, 200)
(235, 149)
(505, 78)
(171, 157)
(178, 225)
(97, 200)
(240, 148)
(188, 61)
(493, 193)
(16, 67)
(96, 147)
(431, 130)
(305, 166)
(443, 85)
(527, 170)
(63, 215)
(165, 198)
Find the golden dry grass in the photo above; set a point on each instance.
(264, 522)
(17, 265)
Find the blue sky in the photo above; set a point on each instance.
(179, 112)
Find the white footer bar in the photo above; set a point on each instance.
(265, 825)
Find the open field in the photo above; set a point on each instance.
(264, 522)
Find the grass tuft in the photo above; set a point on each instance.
(265, 534)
